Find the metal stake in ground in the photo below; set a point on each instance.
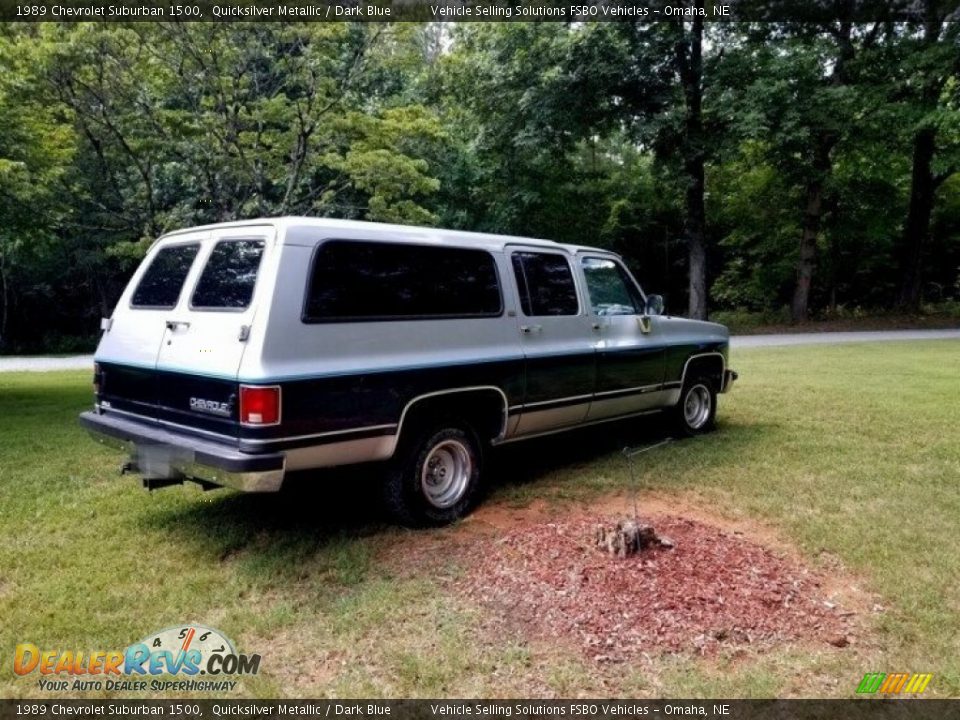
(631, 535)
(629, 454)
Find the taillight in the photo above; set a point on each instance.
(260, 405)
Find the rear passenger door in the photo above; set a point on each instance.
(556, 338)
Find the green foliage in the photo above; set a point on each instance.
(114, 134)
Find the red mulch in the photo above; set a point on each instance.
(714, 589)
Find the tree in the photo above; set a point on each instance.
(806, 99)
(652, 78)
(36, 147)
(928, 90)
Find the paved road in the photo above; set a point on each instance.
(42, 364)
(832, 338)
(85, 362)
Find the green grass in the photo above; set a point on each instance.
(852, 453)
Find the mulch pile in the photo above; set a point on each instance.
(714, 589)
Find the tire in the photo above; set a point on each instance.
(434, 479)
(696, 411)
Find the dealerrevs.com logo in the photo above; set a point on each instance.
(196, 657)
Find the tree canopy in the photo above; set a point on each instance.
(784, 168)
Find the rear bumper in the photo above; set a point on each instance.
(159, 454)
(729, 378)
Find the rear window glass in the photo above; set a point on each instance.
(229, 276)
(545, 282)
(161, 283)
(387, 281)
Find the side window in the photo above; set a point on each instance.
(229, 276)
(161, 284)
(545, 283)
(353, 280)
(611, 290)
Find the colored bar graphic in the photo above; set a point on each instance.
(894, 683)
(871, 683)
(924, 681)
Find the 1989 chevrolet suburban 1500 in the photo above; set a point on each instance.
(243, 351)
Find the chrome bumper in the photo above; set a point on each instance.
(729, 378)
(163, 458)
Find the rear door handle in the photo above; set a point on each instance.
(530, 329)
(173, 324)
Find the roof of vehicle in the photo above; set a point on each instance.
(387, 231)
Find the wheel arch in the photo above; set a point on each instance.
(483, 406)
(712, 365)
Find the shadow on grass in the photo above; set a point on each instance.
(337, 514)
(523, 464)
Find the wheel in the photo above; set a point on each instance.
(696, 411)
(434, 479)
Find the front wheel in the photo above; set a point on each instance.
(435, 478)
(696, 411)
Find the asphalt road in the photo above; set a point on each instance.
(85, 362)
(833, 338)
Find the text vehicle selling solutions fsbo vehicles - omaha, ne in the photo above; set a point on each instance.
(244, 351)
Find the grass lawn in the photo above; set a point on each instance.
(851, 453)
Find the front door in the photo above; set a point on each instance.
(557, 341)
(630, 355)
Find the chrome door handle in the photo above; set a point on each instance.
(597, 326)
(173, 324)
(530, 329)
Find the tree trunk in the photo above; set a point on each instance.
(4, 298)
(690, 60)
(923, 181)
(812, 213)
(800, 306)
(917, 227)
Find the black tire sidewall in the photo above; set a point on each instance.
(405, 498)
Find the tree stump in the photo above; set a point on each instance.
(628, 537)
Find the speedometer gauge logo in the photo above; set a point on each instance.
(189, 650)
(206, 640)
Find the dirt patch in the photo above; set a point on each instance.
(713, 589)
(538, 572)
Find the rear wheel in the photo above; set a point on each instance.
(696, 411)
(435, 477)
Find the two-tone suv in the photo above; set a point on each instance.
(243, 351)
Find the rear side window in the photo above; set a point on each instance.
(161, 284)
(546, 284)
(229, 276)
(387, 281)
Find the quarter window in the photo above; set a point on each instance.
(545, 283)
(161, 283)
(229, 276)
(611, 290)
(354, 280)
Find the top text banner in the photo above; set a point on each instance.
(811, 11)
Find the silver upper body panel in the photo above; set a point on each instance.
(308, 232)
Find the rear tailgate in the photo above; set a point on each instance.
(197, 338)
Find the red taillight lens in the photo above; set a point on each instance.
(259, 405)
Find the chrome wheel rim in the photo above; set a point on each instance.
(697, 406)
(446, 473)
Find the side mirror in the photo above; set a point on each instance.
(654, 305)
